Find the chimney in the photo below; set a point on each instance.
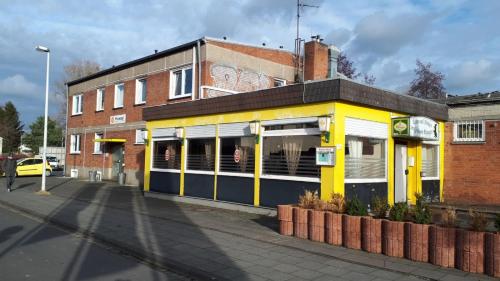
(316, 59)
(333, 58)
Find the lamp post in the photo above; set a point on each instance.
(44, 169)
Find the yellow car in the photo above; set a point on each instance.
(32, 167)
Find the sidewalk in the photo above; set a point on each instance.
(201, 242)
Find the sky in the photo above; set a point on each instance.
(459, 38)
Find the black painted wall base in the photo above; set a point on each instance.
(277, 192)
(165, 182)
(430, 190)
(199, 185)
(235, 189)
(366, 191)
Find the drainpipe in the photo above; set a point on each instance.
(198, 54)
(66, 130)
(333, 56)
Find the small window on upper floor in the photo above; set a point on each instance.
(139, 136)
(468, 131)
(140, 91)
(99, 106)
(119, 93)
(279, 82)
(181, 83)
(77, 104)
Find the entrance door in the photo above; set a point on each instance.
(400, 172)
(117, 158)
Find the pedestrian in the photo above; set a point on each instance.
(9, 167)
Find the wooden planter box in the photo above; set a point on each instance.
(417, 241)
(351, 232)
(393, 238)
(371, 235)
(442, 246)
(300, 228)
(285, 217)
(333, 228)
(470, 251)
(316, 220)
(492, 255)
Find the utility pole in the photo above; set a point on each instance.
(298, 41)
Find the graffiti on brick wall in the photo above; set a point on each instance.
(234, 79)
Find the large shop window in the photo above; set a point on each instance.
(201, 154)
(167, 154)
(365, 158)
(430, 156)
(237, 154)
(289, 150)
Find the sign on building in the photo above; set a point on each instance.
(417, 127)
(325, 156)
(118, 119)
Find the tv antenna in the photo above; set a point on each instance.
(298, 40)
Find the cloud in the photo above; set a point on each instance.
(18, 86)
(470, 75)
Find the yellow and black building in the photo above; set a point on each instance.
(267, 147)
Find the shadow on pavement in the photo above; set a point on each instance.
(8, 232)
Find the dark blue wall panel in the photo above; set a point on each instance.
(235, 189)
(165, 182)
(276, 192)
(366, 191)
(199, 185)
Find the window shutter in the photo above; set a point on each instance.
(207, 131)
(163, 133)
(365, 128)
(234, 130)
(290, 121)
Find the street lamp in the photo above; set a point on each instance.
(44, 169)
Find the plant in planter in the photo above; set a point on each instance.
(442, 240)
(470, 244)
(417, 232)
(492, 255)
(333, 219)
(372, 227)
(351, 223)
(316, 220)
(393, 230)
(300, 214)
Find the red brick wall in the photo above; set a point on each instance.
(316, 61)
(472, 171)
(281, 57)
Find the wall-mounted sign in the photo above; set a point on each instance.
(325, 156)
(118, 119)
(237, 155)
(417, 127)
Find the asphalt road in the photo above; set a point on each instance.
(32, 250)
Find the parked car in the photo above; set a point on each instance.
(32, 167)
(53, 161)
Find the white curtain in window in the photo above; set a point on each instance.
(355, 147)
(292, 147)
(171, 154)
(243, 157)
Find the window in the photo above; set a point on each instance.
(166, 154)
(279, 82)
(140, 91)
(119, 92)
(75, 144)
(98, 145)
(237, 154)
(468, 131)
(181, 83)
(290, 150)
(77, 104)
(430, 166)
(201, 154)
(139, 136)
(365, 158)
(99, 106)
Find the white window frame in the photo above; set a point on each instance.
(75, 143)
(98, 145)
(140, 84)
(234, 174)
(279, 80)
(77, 106)
(287, 132)
(370, 180)
(183, 79)
(115, 105)
(99, 105)
(438, 159)
(481, 138)
(139, 136)
(152, 155)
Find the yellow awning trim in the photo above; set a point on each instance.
(111, 140)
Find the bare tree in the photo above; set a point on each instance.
(428, 84)
(346, 67)
(75, 70)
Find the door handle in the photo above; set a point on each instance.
(407, 172)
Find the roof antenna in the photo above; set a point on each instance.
(298, 40)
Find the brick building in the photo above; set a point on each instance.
(472, 150)
(105, 125)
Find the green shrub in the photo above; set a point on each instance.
(398, 212)
(355, 207)
(380, 207)
(421, 213)
(497, 222)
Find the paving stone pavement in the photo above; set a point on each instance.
(202, 242)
